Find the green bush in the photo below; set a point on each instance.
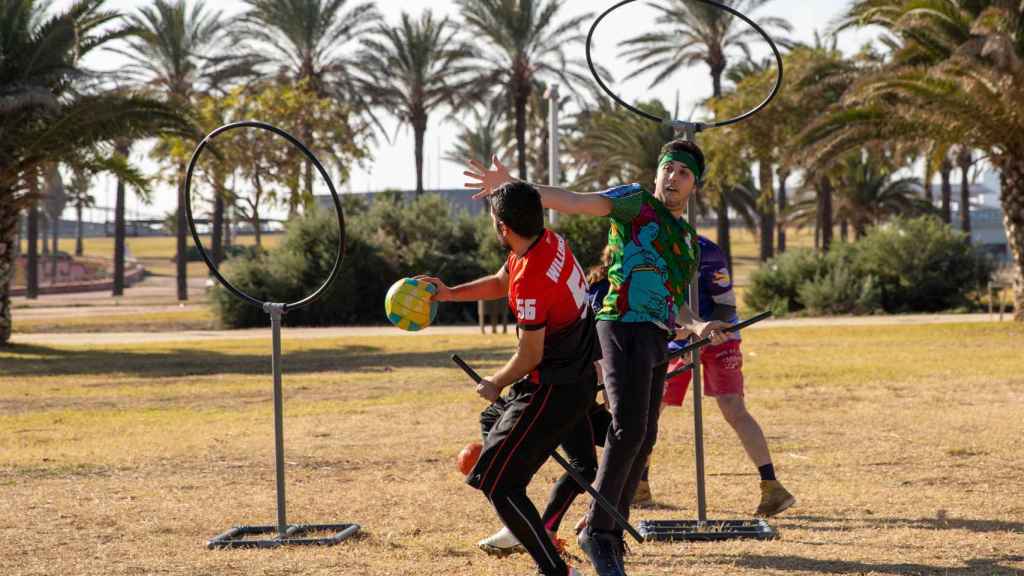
(840, 288)
(385, 241)
(922, 265)
(907, 265)
(587, 236)
(298, 268)
(776, 285)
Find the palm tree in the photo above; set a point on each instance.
(416, 68)
(312, 43)
(868, 193)
(964, 161)
(972, 97)
(169, 55)
(49, 113)
(56, 200)
(619, 147)
(477, 140)
(695, 33)
(311, 40)
(81, 198)
(525, 43)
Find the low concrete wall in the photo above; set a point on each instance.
(131, 276)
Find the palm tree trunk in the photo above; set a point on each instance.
(8, 241)
(79, 248)
(783, 176)
(257, 233)
(946, 171)
(1013, 218)
(766, 208)
(844, 230)
(182, 230)
(217, 233)
(419, 129)
(32, 262)
(825, 212)
(55, 250)
(46, 234)
(119, 235)
(521, 98)
(965, 198)
(929, 175)
(724, 240)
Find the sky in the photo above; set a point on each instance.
(395, 166)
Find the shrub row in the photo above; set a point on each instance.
(385, 241)
(907, 265)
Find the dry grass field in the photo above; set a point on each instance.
(902, 445)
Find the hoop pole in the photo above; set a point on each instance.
(689, 131)
(275, 311)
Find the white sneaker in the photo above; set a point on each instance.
(501, 543)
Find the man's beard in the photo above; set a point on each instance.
(501, 239)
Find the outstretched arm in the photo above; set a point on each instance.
(487, 181)
(492, 287)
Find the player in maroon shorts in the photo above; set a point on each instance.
(551, 376)
(722, 368)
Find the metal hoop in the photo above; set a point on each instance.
(323, 172)
(699, 126)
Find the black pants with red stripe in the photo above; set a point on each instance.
(528, 426)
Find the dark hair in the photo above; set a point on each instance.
(685, 146)
(517, 205)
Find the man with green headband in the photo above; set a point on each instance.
(654, 256)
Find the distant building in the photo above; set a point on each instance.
(987, 228)
(459, 198)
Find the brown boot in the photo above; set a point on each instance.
(643, 496)
(774, 499)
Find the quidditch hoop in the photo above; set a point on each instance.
(323, 172)
(698, 126)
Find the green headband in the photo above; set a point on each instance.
(682, 156)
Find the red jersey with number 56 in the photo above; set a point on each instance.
(548, 289)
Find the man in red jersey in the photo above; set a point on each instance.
(551, 375)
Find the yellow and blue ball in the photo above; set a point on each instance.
(408, 304)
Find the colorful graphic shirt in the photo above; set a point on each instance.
(653, 259)
(547, 289)
(714, 285)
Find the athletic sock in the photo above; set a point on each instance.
(767, 471)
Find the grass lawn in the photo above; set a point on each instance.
(167, 321)
(902, 445)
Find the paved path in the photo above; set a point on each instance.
(115, 338)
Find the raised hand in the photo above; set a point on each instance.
(486, 180)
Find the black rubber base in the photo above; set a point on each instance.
(237, 537)
(707, 531)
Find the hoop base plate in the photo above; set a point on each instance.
(706, 531)
(240, 536)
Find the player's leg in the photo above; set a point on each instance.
(627, 404)
(581, 455)
(674, 393)
(520, 442)
(724, 381)
(655, 368)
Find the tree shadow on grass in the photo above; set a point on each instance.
(974, 567)
(946, 523)
(27, 360)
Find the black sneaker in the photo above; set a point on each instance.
(602, 548)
